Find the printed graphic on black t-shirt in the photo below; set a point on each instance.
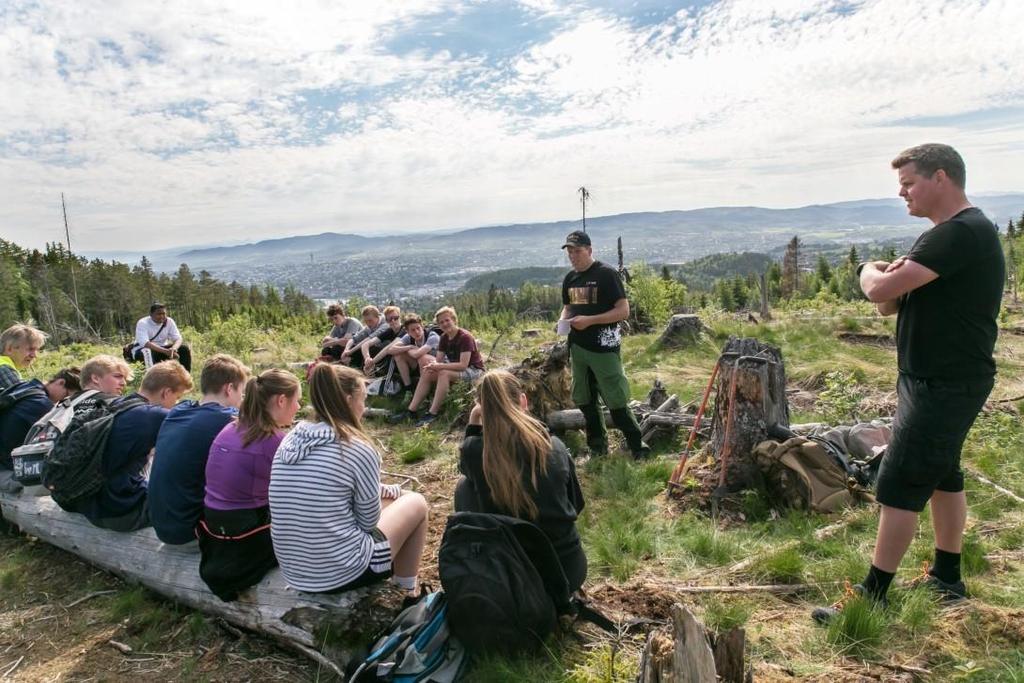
(947, 328)
(592, 292)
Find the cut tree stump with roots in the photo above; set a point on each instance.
(750, 398)
(546, 379)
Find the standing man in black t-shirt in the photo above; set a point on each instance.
(947, 292)
(594, 302)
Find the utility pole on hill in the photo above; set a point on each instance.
(584, 197)
(71, 256)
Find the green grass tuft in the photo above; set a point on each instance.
(724, 615)
(784, 566)
(415, 445)
(858, 628)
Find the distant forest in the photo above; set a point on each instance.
(44, 286)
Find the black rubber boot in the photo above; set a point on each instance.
(597, 433)
(626, 422)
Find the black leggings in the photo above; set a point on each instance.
(184, 357)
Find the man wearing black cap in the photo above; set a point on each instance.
(594, 302)
(158, 333)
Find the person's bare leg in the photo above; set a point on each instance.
(896, 530)
(444, 380)
(949, 518)
(404, 523)
(422, 389)
(402, 363)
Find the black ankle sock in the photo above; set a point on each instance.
(876, 584)
(946, 566)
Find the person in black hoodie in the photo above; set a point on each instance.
(512, 466)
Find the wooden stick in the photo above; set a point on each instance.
(120, 647)
(90, 596)
(748, 588)
(1006, 492)
(1007, 400)
(12, 667)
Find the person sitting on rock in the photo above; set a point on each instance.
(122, 504)
(177, 480)
(512, 466)
(458, 359)
(19, 346)
(344, 328)
(234, 532)
(335, 525)
(413, 350)
(159, 333)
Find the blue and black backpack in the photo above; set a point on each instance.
(416, 647)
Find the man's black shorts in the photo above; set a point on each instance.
(933, 417)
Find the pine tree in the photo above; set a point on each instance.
(1011, 232)
(791, 268)
(853, 258)
(824, 270)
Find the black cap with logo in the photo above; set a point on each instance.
(577, 238)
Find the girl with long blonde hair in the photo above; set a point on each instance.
(511, 465)
(335, 525)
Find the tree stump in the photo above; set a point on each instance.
(750, 397)
(683, 657)
(681, 330)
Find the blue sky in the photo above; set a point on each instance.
(205, 121)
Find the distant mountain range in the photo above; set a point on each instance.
(338, 265)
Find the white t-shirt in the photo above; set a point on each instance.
(147, 327)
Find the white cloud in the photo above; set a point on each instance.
(203, 121)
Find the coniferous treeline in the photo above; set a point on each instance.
(112, 296)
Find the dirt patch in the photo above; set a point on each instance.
(883, 340)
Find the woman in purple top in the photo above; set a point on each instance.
(234, 533)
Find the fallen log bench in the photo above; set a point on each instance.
(562, 420)
(327, 628)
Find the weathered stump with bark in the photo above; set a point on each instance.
(750, 398)
(681, 330)
(689, 655)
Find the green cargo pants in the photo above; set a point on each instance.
(601, 374)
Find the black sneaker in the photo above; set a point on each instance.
(403, 416)
(644, 451)
(824, 615)
(947, 592)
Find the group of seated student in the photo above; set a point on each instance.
(231, 474)
(457, 358)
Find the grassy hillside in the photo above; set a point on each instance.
(643, 548)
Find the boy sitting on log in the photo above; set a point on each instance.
(178, 478)
(19, 345)
(122, 503)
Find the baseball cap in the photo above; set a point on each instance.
(577, 238)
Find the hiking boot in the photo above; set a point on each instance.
(824, 615)
(947, 592)
(403, 416)
(641, 452)
(426, 420)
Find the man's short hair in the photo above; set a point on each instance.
(169, 374)
(72, 379)
(931, 157)
(155, 306)
(392, 310)
(101, 366)
(220, 370)
(411, 319)
(20, 335)
(446, 310)
(370, 311)
(335, 309)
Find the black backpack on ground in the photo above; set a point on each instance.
(504, 582)
(16, 393)
(73, 470)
